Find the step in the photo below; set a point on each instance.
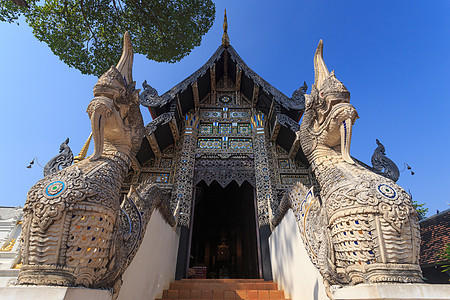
(223, 294)
(262, 285)
(223, 280)
(223, 289)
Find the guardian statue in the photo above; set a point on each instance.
(360, 227)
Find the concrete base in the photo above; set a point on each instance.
(52, 293)
(396, 291)
(8, 276)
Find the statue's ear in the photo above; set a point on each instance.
(134, 97)
(308, 101)
(320, 69)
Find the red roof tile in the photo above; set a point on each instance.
(435, 234)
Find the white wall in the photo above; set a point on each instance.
(291, 267)
(153, 267)
(10, 229)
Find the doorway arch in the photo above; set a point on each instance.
(224, 237)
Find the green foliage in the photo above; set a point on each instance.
(421, 209)
(87, 34)
(446, 259)
(10, 12)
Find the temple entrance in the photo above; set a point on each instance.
(224, 236)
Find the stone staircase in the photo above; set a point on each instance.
(223, 289)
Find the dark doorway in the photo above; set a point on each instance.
(224, 237)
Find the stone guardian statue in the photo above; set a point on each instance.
(360, 227)
(72, 226)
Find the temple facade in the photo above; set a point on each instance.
(222, 143)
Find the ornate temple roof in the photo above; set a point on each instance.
(225, 65)
(215, 67)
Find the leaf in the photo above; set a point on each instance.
(421, 210)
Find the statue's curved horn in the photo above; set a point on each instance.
(125, 64)
(320, 69)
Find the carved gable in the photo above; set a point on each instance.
(223, 123)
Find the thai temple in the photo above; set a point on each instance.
(233, 191)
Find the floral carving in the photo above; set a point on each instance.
(182, 194)
(265, 193)
(52, 195)
(224, 171)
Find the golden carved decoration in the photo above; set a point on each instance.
(17, 266)
(225, 37)
(9, 246)
(83, 151)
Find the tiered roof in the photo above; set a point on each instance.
(168, 110)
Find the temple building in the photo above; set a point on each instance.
(222, 145)
(222, 141)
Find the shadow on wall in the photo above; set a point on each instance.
(292, 269)
(153, 267)
(316, 290)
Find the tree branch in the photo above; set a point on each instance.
(22, 3)
(153, 18)
(87, 22)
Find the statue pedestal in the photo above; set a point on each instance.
(53, 293)
(395, 291)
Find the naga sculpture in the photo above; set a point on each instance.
(77, 230)
(60, 161)
(361, 227)
(381, 163)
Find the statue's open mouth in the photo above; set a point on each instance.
(345, 115)
(99, 109)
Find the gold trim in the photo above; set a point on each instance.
(225, 37)
(17, 266)
(83, 151)
(7, 248)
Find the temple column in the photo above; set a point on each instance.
(183, 191)
(264, 189)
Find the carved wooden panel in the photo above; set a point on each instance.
(224, 171)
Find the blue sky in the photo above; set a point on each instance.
(393, 56)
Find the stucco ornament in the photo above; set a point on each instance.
(382, 164)
(60, 161)
(77, 230)
(361, 227)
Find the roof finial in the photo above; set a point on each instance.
(225, 37)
